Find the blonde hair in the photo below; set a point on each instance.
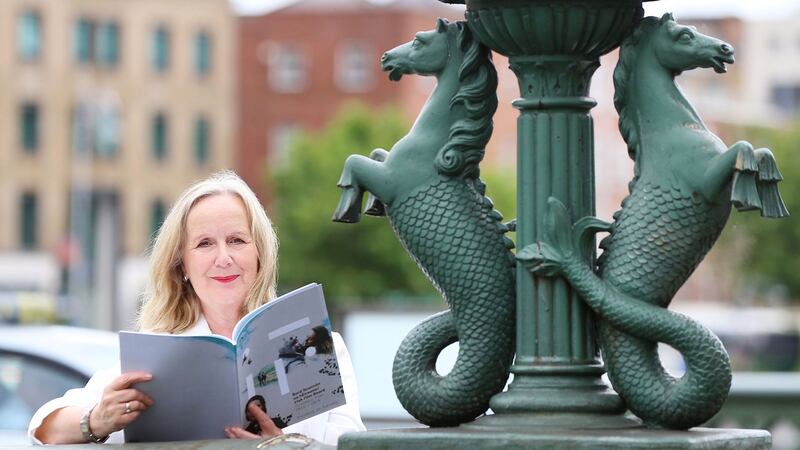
(171, 304)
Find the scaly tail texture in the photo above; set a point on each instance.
(631, 327)
(455, 236)
(685, 181)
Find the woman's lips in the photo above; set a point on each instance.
(227, 279)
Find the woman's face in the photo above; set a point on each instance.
(219, 255)
(248, 415)
(311, 338)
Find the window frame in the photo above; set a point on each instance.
(108, 43)
(160, 50)
(30, 127)
(84, 30)
(352, 79)
(29, 240)
(202, 134)
(288, 68)
(36, 50)
(159, 136)
(202, 63)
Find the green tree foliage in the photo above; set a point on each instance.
(360, 262)
(354, 262)
(768, 257)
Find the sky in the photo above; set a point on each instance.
(752, 9)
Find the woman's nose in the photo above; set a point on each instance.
(223, 258)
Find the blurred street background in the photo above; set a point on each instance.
(110, 108)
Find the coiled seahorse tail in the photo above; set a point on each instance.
(631, 328)
(458, 240)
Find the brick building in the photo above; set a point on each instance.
(299, 65)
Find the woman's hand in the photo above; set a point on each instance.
(120, 404)
(268, 428)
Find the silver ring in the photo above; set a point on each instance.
(128, 407)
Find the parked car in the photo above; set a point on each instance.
(39, 363)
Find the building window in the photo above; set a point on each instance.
(29, 221)
(287, 69)
(202, 53)
(160, 134)
(107, 44)
(29, 127)
(160, 50)
(29, 35)
(84, 41)
(83, 129)
(280, 140)
(96, 129)
(201, 140)
(96, 42)
(107, 133)
(354, 67)
(158, 211)
(786, 98)
(80, 130)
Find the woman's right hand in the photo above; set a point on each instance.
(120, 405)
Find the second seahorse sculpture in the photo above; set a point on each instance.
(428, 187)
(685, 181)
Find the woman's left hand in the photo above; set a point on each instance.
(268, 428)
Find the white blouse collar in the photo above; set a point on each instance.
(200, 328)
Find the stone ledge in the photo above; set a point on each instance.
(562, 439)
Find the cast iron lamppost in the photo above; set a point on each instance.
(557, 398)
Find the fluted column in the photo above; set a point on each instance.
(554, 48)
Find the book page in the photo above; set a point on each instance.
(193, 386)
(284, 364)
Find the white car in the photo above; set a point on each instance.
(39, 363)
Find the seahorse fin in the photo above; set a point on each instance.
(541, 258)
(767, 184)
(347, 210)
(771, 201)
(374, 207)
(583, 233)
(548, 256)
(557, 225)
(744, 193)
(746, 160)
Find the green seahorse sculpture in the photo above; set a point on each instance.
(428, 186)
(685, 180)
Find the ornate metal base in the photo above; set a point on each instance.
(563, 439)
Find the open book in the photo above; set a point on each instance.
(281, 356)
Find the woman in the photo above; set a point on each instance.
(214, 260)
(320, 340)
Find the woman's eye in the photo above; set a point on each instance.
(236, 241)
(204, 244)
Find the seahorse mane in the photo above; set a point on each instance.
(466, 145)
(628, 52)
(622, 73)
